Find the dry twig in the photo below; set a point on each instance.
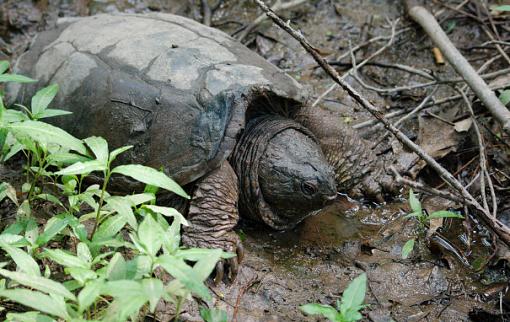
(406, 110)
(423, 188)
(484, 173)
(369, 58)
(278, 5)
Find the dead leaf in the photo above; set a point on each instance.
(463, 125)
(434, 225)
(437, 137)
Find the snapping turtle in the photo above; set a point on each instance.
(203, 107)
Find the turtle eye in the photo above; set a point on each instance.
(309, 188)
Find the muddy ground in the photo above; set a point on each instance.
(443, 279)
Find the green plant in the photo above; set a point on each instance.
(99, 256)
(348, 309)
(502, 8)
(504, 96)
(423, 218)
(213, 315)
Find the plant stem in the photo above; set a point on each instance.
(178, 309)
(101, 200)
(37, 175)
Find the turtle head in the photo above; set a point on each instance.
(283, 174)
(294, 176)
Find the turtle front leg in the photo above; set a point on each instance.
(213, 214)
(357, 169)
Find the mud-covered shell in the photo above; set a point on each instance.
(178, 91)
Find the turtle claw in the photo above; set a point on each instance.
(226, 268)
(230, 267)
(233, 265)
(220, 269)
(240, 251)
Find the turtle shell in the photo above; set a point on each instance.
(178, 91)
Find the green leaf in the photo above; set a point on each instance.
(354, 294)
(139, 267)
(28, 317)
(15, 78)
(110, 227)
(15, 148)
(504, 97)
(99, 147)
(450, 26)
(3, 137)
(123, 207)
(65, 259)
(79, 229)
(150, 235)
(43, 98)
(16, 228)
(351, 315)
(150, 176)
(213, 315)
(81, 275)
(32, 228)
(154, 290)
(122, 308)
(206, 264)
(89, 294)
(444, 214)
(407, 248)
(45, 134)
(122, 288)
(196, 254)
(83, 252)
(24, 262)
(169, 212)
(84, 168)
(4, 66)
(325, 310)
(116, 152)
(413, 214)
(172, 236)
(14, 116)
(502, 8)
(38, 301)
(65, 158)
(117, 268)
(129, 297)
(6, 190)
(141, 198)
(185, 274)
(53, 226)
(14, 240)
(51, 198)
(39, 283)
(49, 112)
(414, 203)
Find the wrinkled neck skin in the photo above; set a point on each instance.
(283, 175)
